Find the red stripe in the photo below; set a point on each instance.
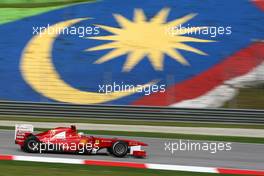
(115, 164)
(238, 64)
(259, 3)
(6, 157)
(239, 172)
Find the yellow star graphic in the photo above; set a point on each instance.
(142, 37)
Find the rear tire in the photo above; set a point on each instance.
(31, 145)
(119, 149)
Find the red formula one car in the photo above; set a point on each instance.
(67, 139)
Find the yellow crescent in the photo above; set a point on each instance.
(39, 72)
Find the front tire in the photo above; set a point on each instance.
(31, 145)
(119, 149)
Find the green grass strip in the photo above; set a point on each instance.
(12, 14)
(248, 98)
(11, 11)
(37, 3)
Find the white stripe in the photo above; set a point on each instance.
(182, 168)
(48, 159)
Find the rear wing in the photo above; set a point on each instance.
(21, 130)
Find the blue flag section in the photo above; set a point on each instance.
(151, 52)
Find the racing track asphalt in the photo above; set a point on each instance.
(242, 155)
